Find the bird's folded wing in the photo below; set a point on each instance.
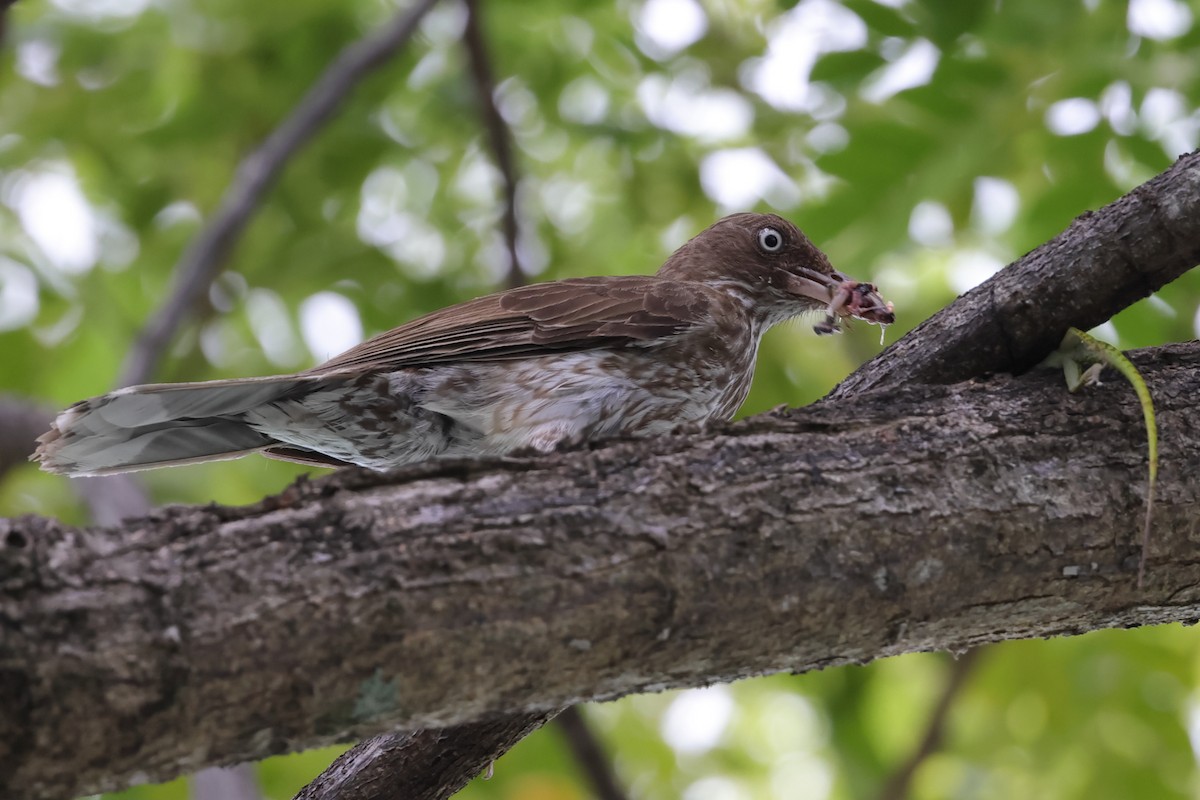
(540, 319)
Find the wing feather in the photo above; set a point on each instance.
(574, 314)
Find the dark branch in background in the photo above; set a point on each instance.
(899, 782)
(4, 6)
(202, 262)
(589, 754)
(1106, 260)
(583, 743)
(426, 765)
(499, 137)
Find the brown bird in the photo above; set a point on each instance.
(537, 367)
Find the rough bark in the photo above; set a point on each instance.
(925, 518)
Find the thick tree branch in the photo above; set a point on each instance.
(202, 261)
(926, 518)
(1105, 261)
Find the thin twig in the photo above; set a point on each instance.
(498, 134)
(202, 262)
(589, 754)
(898, 783)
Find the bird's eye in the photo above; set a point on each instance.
(770, 240)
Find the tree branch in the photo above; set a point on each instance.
(899, 782)
(497, 133)
(925, 518)
(202, 262)
(1105, 261)
(4, 6)
(589, 754)
(426, 764)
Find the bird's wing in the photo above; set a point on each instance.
(540, 319)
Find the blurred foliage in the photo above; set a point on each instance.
(922, 143)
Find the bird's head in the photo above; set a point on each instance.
(771, 262)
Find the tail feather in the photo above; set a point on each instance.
(162, 425)
(136, 406)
